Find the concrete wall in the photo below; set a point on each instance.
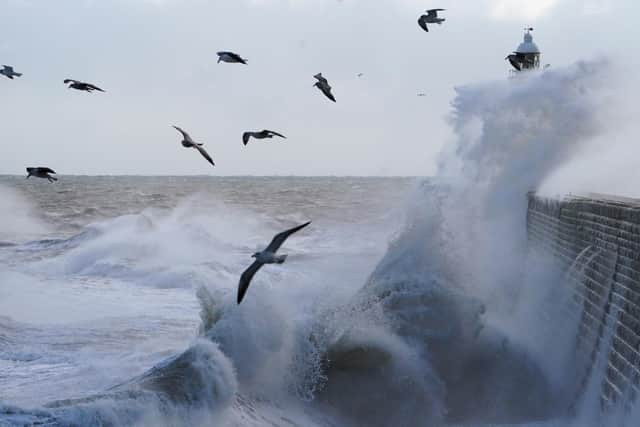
(596, 240)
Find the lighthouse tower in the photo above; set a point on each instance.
(528, 54)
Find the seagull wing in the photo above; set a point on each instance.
(94, 87)
(70, 81)
(236, 57)
(422, 21)
(47, 170)
(515, 64)
(245, 279)
(321, 79)
(204, 154)
(8, 68)
(185, 135)
(246, 136)
(274, 133)
(433, 13)
(326, 89)
(279, 238)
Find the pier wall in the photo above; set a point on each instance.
(596, 241)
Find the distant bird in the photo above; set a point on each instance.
(324, 86)
(7, 70)
(360, 74)
(41, 172)
(430, 18)
(516, 59)
(231, 57)
(187, 142)
(267, 256)
(260, 135)
(88, 87)
(422, 94)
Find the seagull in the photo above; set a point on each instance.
(360, 74)
(323, 85)
(422, 94)
(267, 256)
(75, 84)
(187, 142)
(230, 57)
(516, 59)
(260, 135)
(430, 18)
(41, 172)
(7, 70)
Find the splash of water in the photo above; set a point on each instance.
(18, 216)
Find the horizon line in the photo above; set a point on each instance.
(230, 176)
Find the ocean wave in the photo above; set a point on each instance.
(200, 380)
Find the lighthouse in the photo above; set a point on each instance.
(527, 55)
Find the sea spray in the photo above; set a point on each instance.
(510, 135)
(455, 274)
(19, 216)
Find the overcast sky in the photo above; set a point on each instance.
(156, 59)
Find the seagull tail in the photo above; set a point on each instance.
(281, 259)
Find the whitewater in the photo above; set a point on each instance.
(407, 302)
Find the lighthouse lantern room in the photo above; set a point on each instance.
(527, 55)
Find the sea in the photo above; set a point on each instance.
(105, 279)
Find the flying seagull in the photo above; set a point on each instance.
(7, 70)
(231, 57)
(324, 86)
(422, 94)
(360, 74)
(41, 172)
(187, 142)
(75, 84)
(430, 18)
(260, 135)
(516, 59)
(267, 256)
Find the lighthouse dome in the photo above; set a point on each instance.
(528, 46)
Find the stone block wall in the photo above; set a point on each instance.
(596, 240)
